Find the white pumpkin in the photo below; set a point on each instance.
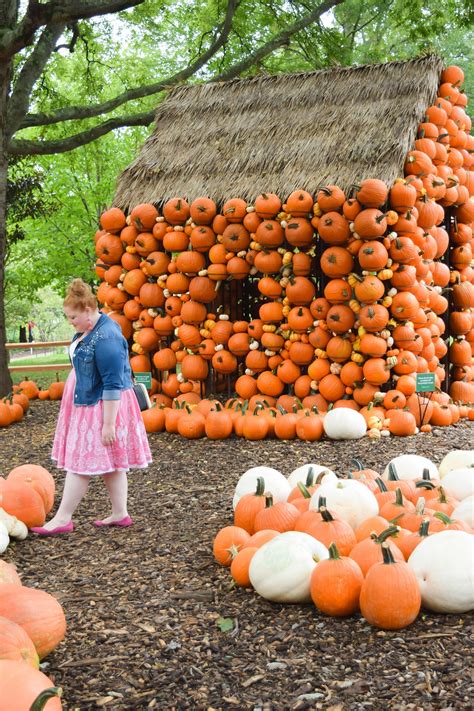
(464, 511)
(347, 499)
(15, 527)
(275, 484)
(4, 538)
(410, 466)
(281, 569)
(459, 483)
(443, 565)
(344, 423)
(456, 459)
(19, 530)
(300, 474)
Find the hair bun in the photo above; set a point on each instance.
(80, 295)
(79, 288)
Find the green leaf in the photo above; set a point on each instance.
(225, 624)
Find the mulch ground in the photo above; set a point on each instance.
(154, 622)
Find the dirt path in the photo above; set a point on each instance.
(144, 605)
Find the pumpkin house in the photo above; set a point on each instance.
(302, 237)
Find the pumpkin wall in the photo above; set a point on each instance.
(332, 298)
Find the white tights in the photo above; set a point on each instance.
(75, 488)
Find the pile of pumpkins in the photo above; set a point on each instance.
(377, 321)
(26, 498)
(32, 622)
(384, 545)
(14, 406)
(288, 418)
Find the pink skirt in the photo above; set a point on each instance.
(77, 445)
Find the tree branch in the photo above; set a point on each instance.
(278, 41)
(32, 147)
(39, 14)
(30, 72)
(20, 147)
(82, 112)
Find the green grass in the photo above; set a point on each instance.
(42, 378)
(41, 359)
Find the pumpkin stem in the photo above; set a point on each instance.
(321, 476)
(358, 464)
(424, 526)
(441, 516)
(382, 537)
(304, 491)
(425, 484)
(333, 552)
(442, 496)
(42, 699)
(420, 505)
(426, 474)
(398, 497)
(387, 553)
(325, 514)
(310, 477)
(381, 484)
(321, 502)
(268, 501)
(392, 473)
(260, 486)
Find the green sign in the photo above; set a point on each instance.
(425, 382)
(144, 378)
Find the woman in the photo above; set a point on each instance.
(100, 431)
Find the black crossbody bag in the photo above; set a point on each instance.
(141, 393)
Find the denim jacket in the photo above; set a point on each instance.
(101, 364)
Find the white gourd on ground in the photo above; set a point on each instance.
(344, 423)
(411, 466)
(464, 511)
(19, 530)
(15, 527)
(280, 571)
(275, 484)
(456, 459)
(459, 483)
(444, 566)
(347, 499)
(300, 474)
(4, 538)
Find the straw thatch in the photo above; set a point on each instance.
(281, 133)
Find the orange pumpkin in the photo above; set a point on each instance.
(39, 478)
(37, 612)
(336, 584)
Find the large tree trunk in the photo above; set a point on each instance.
(5, 73)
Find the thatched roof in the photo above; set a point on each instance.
(284, 132)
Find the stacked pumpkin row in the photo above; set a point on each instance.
(373, 317)
(378, 544)
(443, 159)
(447, 148)
(287, 418)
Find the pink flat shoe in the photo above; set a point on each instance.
(40, 531)
(123, 523)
